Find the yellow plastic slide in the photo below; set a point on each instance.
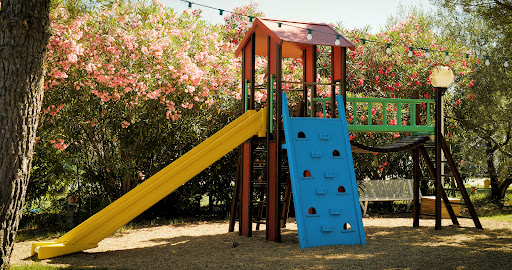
(96, 228)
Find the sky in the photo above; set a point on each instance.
(352, 13)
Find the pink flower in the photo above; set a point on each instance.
(125, 124)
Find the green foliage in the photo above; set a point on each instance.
(497, 14)
(479, 117)
(130, 89)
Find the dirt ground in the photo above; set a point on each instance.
(392, 243)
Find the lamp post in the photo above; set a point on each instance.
(441, 78)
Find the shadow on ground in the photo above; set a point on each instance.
(396, 247)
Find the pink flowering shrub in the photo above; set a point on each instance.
(130, 88)
(374, 73)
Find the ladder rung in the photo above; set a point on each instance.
(447, 175)
(433, 215)
(262, 221)
(459, 203)
(292, 90)
(451, 189)
(427, 178)
(259, 202)
(259, 184)
(468, 217)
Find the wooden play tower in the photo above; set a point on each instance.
(262, 190)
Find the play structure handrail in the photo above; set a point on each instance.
(385, 125)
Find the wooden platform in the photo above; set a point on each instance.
(428, 206)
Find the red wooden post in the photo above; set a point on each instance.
(309, 62)
(273, 203)
(245, 211)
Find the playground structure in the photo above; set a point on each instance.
(265, 175)
(318, 169)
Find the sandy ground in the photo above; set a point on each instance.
(392, 243)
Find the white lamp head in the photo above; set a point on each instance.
(441, 77)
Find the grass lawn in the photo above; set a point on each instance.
(501, 217)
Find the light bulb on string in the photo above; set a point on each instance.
(410, 52)
(221, 12)
(249, 25)
(189, 9)
(337, 42)
(280, 25)
(487, 62)
(309, 36)
(506, 62)
(427, 53)
(388, 48)
(447, 57)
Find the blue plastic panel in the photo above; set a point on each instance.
(323, 180)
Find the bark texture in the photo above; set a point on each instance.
(24, 33)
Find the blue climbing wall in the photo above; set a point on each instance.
(323, 179)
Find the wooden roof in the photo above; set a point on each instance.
(292, 36)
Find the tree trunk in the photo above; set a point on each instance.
(491, 170)
(504, 186)
(24, 33)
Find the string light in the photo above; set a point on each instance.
(279, 24)
(388, 48)
(337, 42)
(250, 22)
(487, 62)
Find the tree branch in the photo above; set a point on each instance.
(503, 5)
(498, 146)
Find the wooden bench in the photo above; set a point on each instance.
(385, 190)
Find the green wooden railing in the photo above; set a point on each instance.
(385, 123)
